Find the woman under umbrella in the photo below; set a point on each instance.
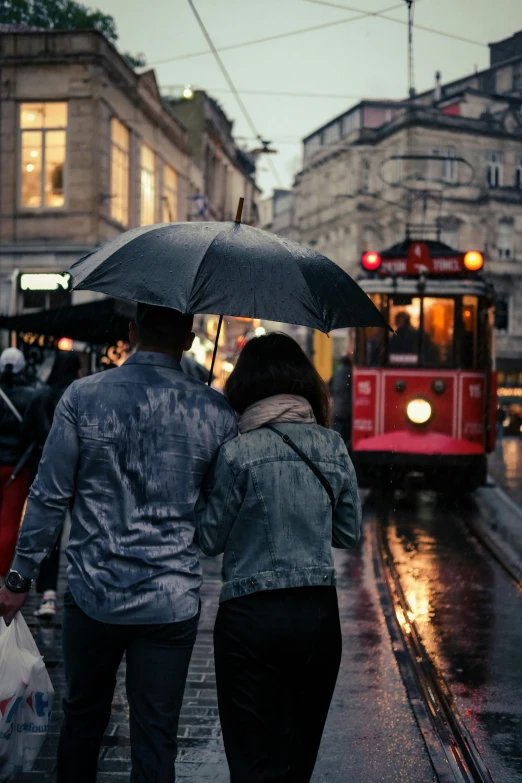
(281, 495)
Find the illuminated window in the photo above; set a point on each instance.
(119, 172)
(148, 186)
(43, 145)
(169, 200)
(439, 320)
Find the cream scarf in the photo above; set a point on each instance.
(279, 408)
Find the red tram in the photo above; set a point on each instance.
(424, 398)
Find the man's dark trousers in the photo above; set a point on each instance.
(157, 659)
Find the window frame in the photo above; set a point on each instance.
(496, 166)
(163, 186)
(129, 179)
(19, 136)
(518, 174)
(154, 175)
(451, 166)
(505, 249)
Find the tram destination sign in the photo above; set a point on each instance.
(419, 259)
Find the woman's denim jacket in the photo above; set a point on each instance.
(270, 515)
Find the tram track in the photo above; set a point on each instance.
(497, 550)
(452, 750)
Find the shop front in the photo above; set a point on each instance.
(98, 331)
(509, 394)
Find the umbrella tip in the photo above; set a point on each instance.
(239, 210)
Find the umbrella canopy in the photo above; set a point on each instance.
(230, 269)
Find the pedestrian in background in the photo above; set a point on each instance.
(36, 427)
(341, 389)
(277, 636)
(131, 446)
(15, 396)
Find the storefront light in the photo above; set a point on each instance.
(227, 367)
(29, 167)
(65, 344)
(260, 331)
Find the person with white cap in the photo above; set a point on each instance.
(15, 396)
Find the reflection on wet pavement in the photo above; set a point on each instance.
(469, 614)
(505, 465)
(371, 734)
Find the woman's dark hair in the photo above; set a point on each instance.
(66, 367)
(275, 364)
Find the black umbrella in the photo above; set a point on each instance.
(227, 268)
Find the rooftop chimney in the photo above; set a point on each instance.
(437, 95)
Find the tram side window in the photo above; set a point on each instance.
(469, 332)
(405, 319)
(437, 340)
(372, 340)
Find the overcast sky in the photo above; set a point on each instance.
(364, 58)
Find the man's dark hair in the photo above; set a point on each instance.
(276, 364)
(162, 325)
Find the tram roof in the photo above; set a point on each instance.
(426, 287)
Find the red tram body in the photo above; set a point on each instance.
(424, 398)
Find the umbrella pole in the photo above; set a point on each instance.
(211, 373)
(220, 323)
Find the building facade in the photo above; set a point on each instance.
(276, 214)
(88, 149)
(448, 161)
(227, 172)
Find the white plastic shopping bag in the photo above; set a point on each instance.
(26, 697)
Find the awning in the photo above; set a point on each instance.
(104, 321)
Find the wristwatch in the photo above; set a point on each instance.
(17, 583)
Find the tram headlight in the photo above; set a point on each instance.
(418, 411)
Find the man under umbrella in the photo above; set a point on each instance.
(132, 447)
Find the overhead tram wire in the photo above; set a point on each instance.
(380, 14)
(279, 93)
(232, 86)
(278, 36)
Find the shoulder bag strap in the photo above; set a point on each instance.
(313, 467)
(10, 405)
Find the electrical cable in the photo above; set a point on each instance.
(267, 39)
(380, 14)
(232, 86)
(277, 93)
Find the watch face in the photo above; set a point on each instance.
(16, 582)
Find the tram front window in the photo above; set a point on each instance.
(403, 346)
(424, 333)
(439, 320)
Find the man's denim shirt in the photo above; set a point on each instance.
(131, 446)
(264, 508)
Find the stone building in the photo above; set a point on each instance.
(227, 172)
(88, 149)
(276, 214)
(448, 161)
